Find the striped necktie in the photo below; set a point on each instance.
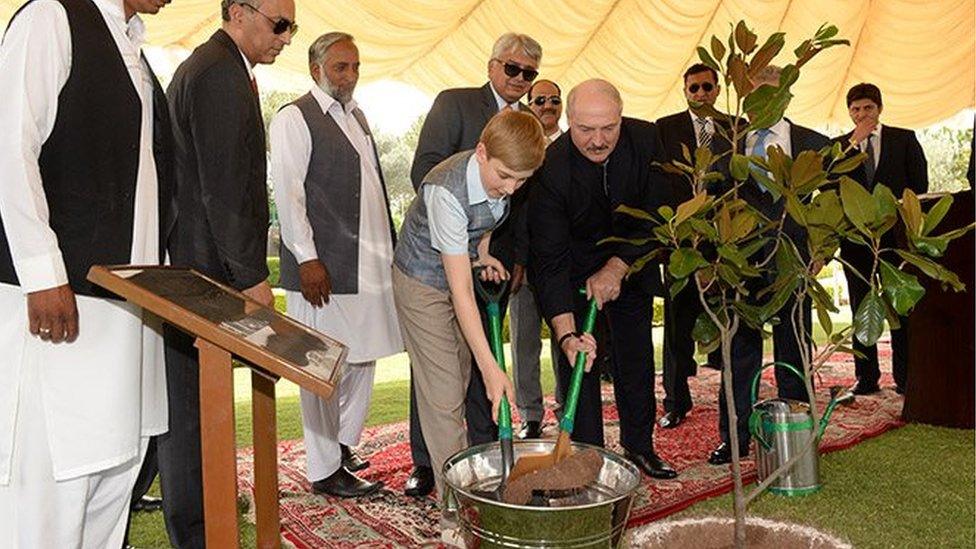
(704, 136)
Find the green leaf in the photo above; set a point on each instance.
(685, 261)
(665, 212)
(677, 286)
(706, 58)
(930, 245)
(634, 212)
(685, 153)
(936, 214)
(807, 168)
(703, 159)
(690, 207)
(802, 48)
(705, 330)
(795, 208)
(739, 74)
(742, 224)
(739, 167)
(911, 212)
(869, 319)
(858, 204)
(848, 164)
(826, 32)
(718, 48)
(766, 53)
(745, 38)
(902, 289)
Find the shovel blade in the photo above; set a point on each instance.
(534, 462)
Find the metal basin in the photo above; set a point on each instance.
(595, 516)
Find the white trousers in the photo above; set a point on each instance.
(338, 420)
(37, 512)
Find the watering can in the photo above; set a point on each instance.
(782, 428)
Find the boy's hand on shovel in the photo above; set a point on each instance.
(498, 384)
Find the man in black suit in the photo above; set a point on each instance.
(895, 159)
(693, 131)
(605, 161)
(222, 221)
(747, 344)
(454, 124)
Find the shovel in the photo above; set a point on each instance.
(534, 462)
(492, 299)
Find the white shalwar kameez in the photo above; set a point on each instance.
(74, 417)
(366, 321)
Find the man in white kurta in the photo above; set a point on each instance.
(336, 231)
(75, 416)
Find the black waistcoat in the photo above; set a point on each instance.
(90, 161)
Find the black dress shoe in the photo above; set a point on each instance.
(862, 388)
(147, 504)
(531, 429)
(652, 465)
(421, 482)
(351, 460)
(343, 484)
(722, 454)
(671, 420)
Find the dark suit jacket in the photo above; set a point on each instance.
(569, 213)
(901, 166)
(454, 124)
(676, 129)
(222, 222)
(801, 139)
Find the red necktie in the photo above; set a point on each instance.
(254, 87)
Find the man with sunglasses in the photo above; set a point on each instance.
(454, 124)
(85, 161)
(692, 130)
(545, 101)
(222, 225)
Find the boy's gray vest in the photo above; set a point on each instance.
(414, 254)
(332, 194)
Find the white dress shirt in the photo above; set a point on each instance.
(779, 135)
(501, 101)
(366, 321)
(94, 389)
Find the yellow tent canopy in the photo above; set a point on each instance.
(921, 53)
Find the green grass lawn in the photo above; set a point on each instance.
(913, 487)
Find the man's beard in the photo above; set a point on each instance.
(343, 97)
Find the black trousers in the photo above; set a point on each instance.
(180, 469)
(628, 321)
(866, 367)
(747, 357)
(477, 407)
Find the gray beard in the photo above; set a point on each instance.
(334, 93)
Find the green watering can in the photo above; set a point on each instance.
(782, 428)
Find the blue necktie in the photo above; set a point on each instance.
(759, 149)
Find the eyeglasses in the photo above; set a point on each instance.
(707, 86)
(541, 100)
(512, 70)
(279, 26)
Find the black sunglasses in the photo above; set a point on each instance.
(541, 100)
(707, 86)
(279, 26)
(511, 70)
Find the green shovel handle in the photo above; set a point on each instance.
(498, 349)
(572, 397)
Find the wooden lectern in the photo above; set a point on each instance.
(226, 324)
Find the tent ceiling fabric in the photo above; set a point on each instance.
(921, 53)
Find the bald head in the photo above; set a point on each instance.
(593, 94)
(593, 109)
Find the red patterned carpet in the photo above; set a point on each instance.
(389, 519)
